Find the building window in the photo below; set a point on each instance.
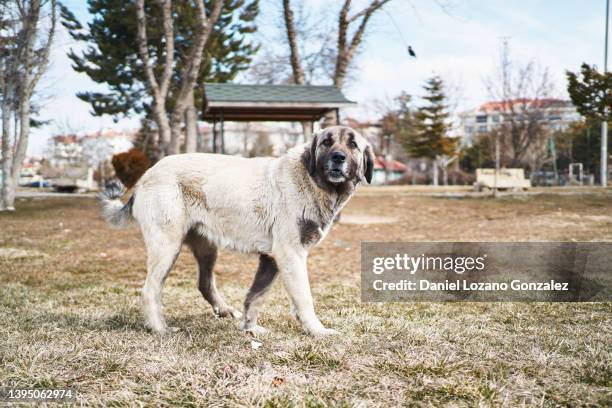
(482, 129)
(495, 118)
(481, 119)
(469, 130)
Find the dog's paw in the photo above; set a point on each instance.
(228, 312)
(255, 329)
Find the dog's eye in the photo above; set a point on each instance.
(327, 142)
(352, 144)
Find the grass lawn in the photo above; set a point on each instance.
(70, 316)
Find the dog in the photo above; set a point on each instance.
(278, 208)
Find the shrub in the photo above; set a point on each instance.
(130, 166)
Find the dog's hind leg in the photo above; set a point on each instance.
(266, 273)
(205, 253)
(162, 251)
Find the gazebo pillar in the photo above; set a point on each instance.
(222, 134)
(214, 137)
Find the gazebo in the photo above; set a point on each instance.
(269, 103)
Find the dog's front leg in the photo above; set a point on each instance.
(293, 271)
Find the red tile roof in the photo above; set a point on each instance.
(393, 165)
(500, 105)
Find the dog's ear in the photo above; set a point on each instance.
(368, 163)
(312, 159)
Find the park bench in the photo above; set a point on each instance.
(507, 179)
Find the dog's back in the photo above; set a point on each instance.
(224, 198)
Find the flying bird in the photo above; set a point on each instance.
(411, 52)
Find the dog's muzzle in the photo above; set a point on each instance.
(337, 167)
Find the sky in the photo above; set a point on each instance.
(460, 40)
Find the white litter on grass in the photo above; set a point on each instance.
(256, 344)
(16, 253)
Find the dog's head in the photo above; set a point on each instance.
(339, 154)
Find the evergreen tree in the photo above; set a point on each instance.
(590, 92)
(428, 134)
(480, 154)
(398, 121)
(112, 58)
(580, 142)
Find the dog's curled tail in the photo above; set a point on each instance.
(114, 211)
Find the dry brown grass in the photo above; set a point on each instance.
(70, 317)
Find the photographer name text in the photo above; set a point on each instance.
(464, 285)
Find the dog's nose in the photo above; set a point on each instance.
(338, 157)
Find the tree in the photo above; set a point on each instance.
(114, 58)
(399, 120)
(130, 166)
(169, 125)
(579, 143)
(326, 62)
(25, 47)
(428, 137)
(97, 151)
(299, 78)
(590, 91)
(480, 154)
(523, 92)
(592, 95)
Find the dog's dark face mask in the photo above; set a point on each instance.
(338, 155)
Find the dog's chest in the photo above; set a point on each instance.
(315, 222)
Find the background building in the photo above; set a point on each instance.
(555, 113)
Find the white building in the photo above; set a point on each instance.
(555, 113)
(71, 150)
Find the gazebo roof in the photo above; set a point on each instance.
(235, 102)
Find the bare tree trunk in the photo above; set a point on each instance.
(445, 176)
(159, 90)
(33, 63)
(294, 56)
(163, 127)
(170, 128)
(434, 169)
(347, 48)
(189, 73)
(296, 63)
(191, 125)
(175, 137)
(7, 181)
(202, 140)
(21, 145)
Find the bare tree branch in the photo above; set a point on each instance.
(375, 5)
(296, 63)
(46, 50)
(143, 50)
(189, 73)
(347, 48)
